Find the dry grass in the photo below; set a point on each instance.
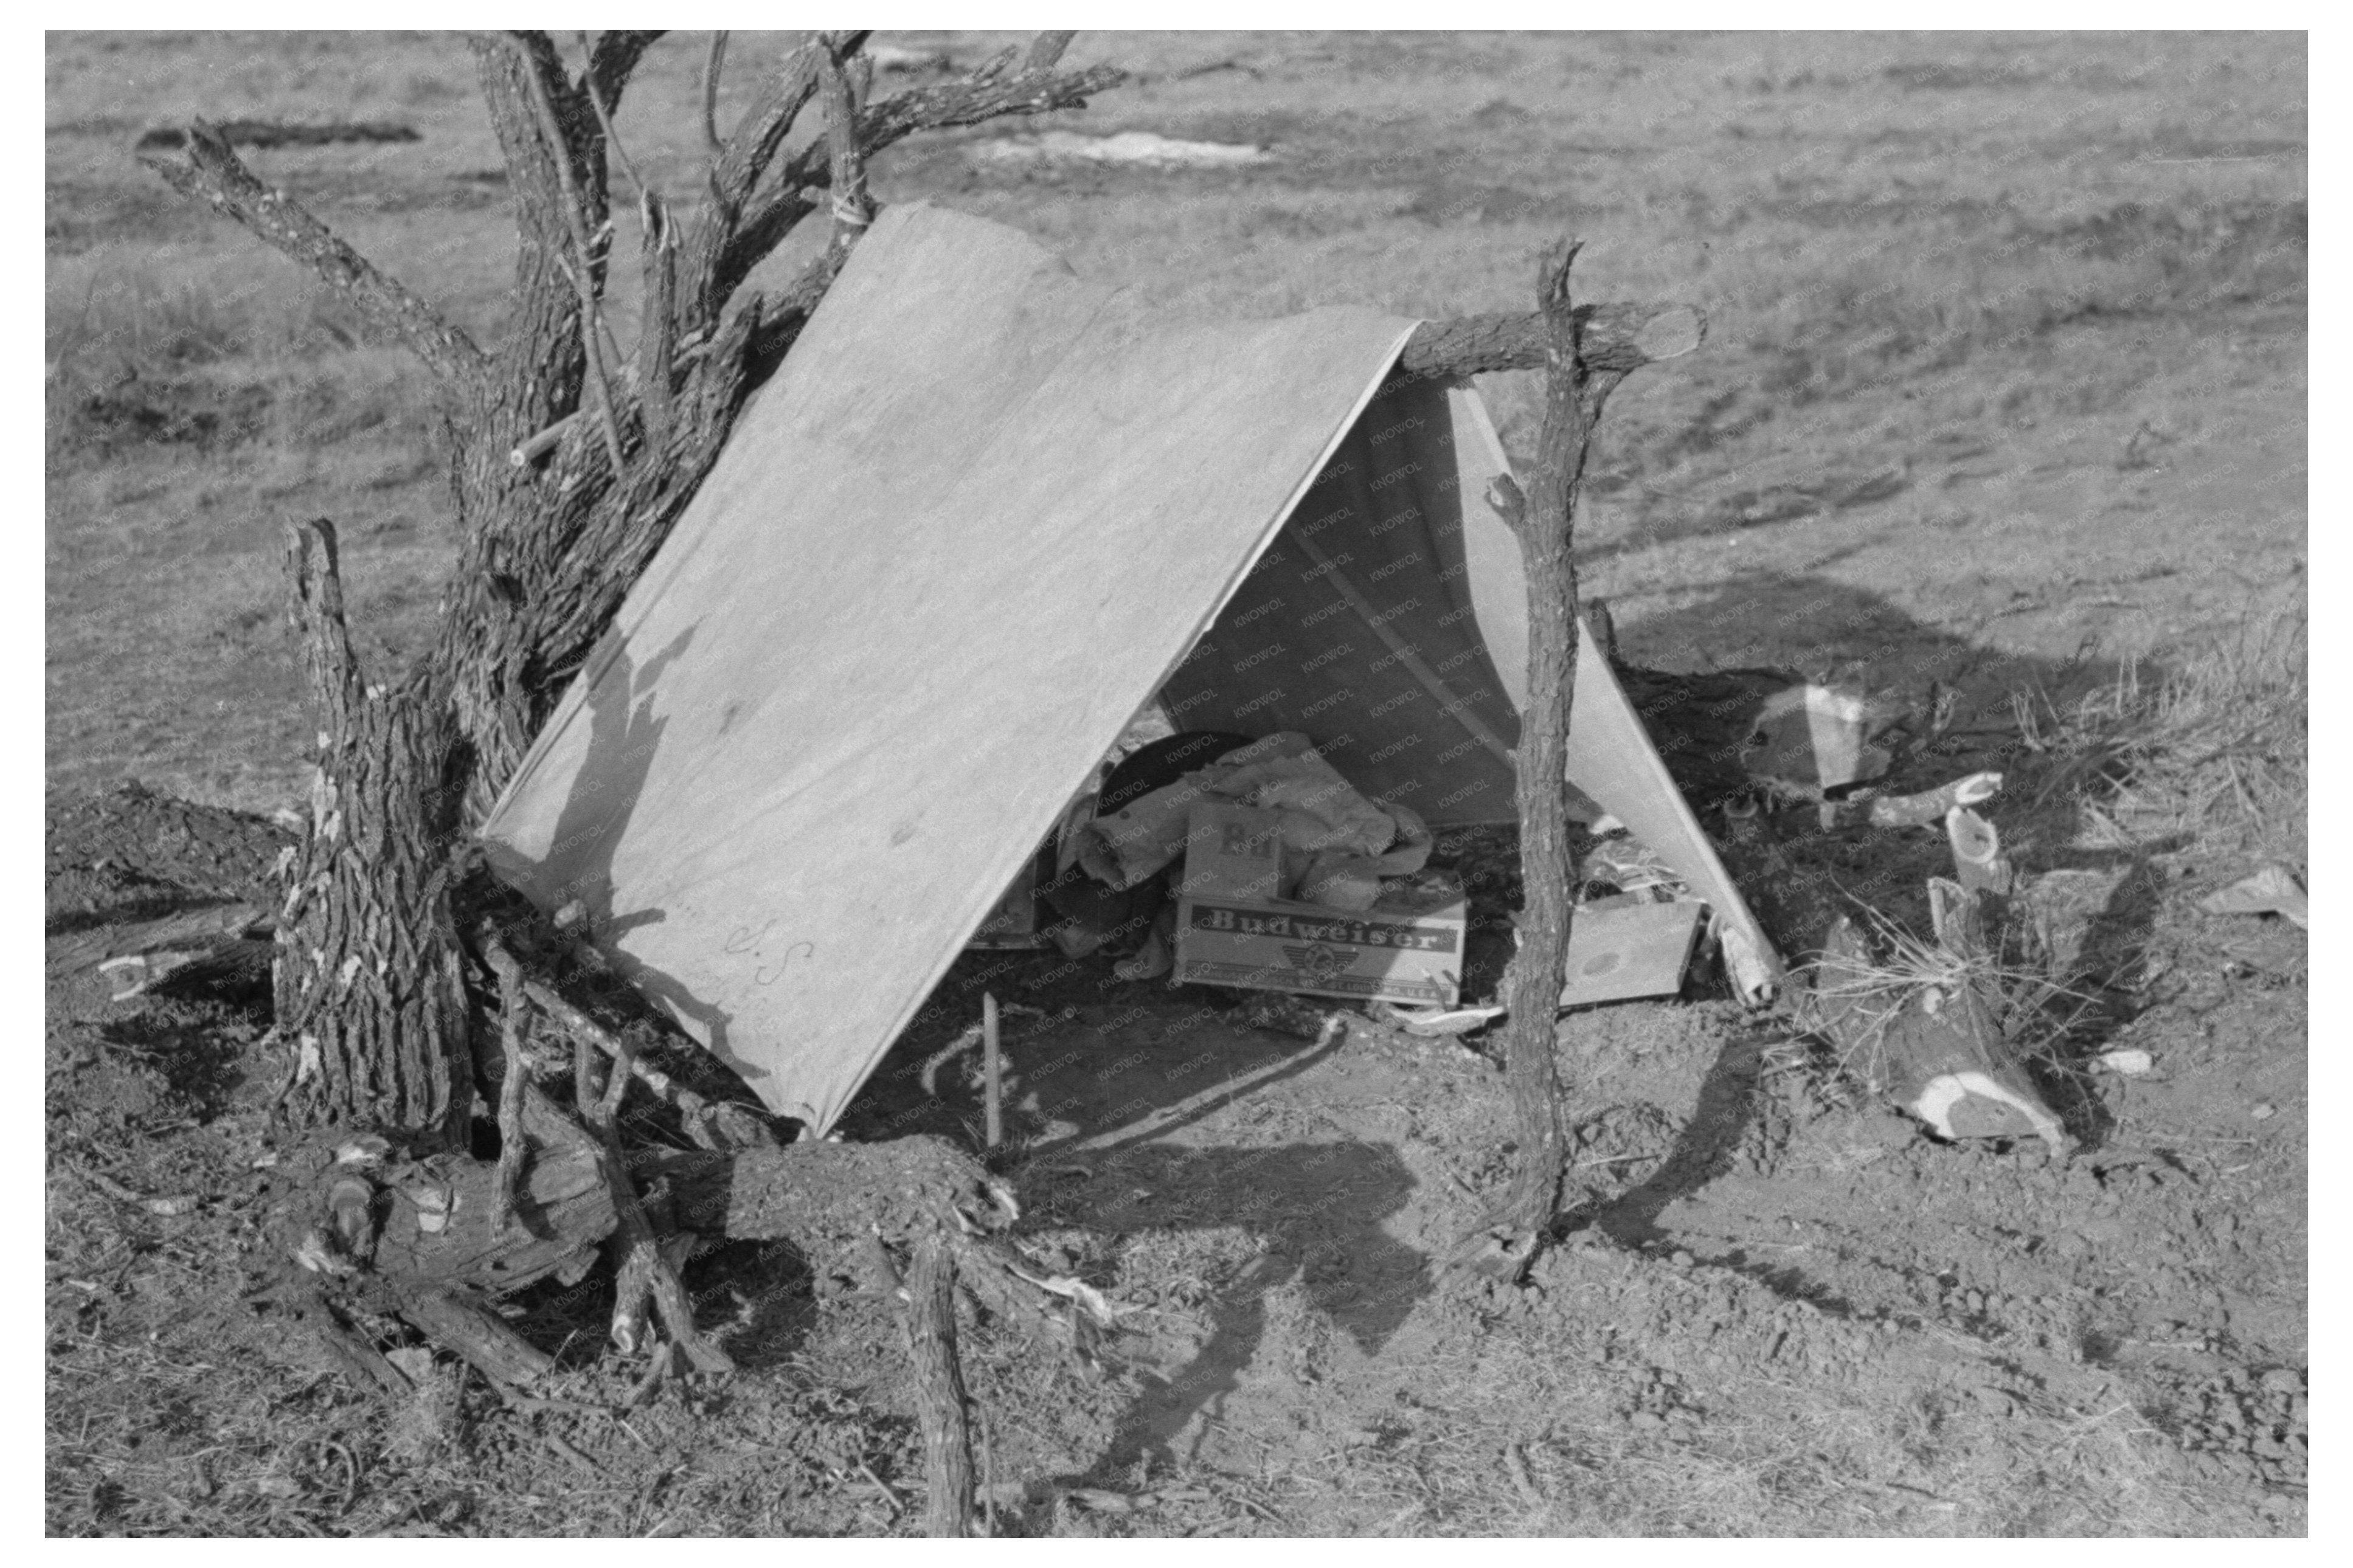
(1896, 971)
(2208, 760)
(1857, 213)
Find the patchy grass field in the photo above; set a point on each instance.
(2004, 388)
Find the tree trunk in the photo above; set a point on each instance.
(370, 988)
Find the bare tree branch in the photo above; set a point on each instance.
(735, 173)
(710, 68)
(214, 174)
(542, 362)
(1614, 338)
(1046, 50)
(976, 99)
(657, 328)
(588, 254)
(853, 209)
(614, 60)
(597, 95)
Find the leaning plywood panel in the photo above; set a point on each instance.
(947, 554)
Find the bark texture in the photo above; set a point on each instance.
(369, 983)
(930, 1328)
(570, 463)
(1544, 519)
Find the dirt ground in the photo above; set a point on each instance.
(2005, 390)
(1777, 1307)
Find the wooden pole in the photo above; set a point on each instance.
(939, 1390)
(1543, 520)
(994, 1067)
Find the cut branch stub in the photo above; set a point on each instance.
(1619, 338)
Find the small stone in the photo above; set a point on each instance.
(2263, 1110)
(1681, 1259)
(1645, 1421)
(2282, 1380)
(1996, 1401)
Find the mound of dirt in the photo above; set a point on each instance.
(132, 854)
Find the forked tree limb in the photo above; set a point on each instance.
(1578, 383)
(213, 174)
(705, 279)
(614, 60)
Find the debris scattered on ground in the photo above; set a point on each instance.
(1811, 739)
(2059, 909)
(896, 57)
(1629, 946)
(1921, 1025)
(1138, 149)
(2274, 890)
(1434, 1023)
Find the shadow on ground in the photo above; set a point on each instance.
(1123, 1099)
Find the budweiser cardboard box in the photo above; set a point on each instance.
(1232, 931)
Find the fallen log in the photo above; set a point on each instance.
(929, 1322)
(283, 133)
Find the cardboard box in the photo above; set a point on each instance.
(1629, 946)
(1405, 948)
(1233, 852)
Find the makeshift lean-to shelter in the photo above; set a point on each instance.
(982, 516)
